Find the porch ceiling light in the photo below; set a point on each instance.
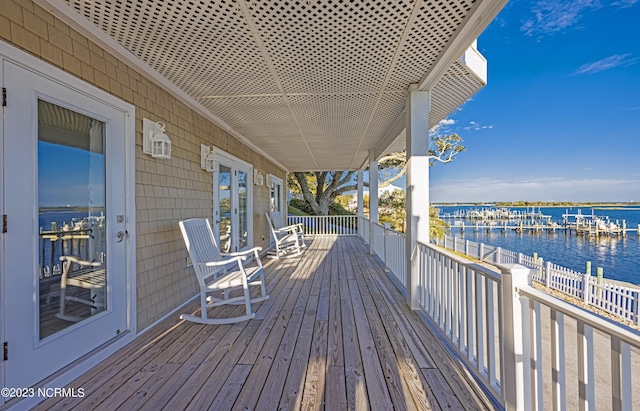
(207, 161)
(155, 141)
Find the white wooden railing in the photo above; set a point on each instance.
(462, 298)
(327, 225)
(527, 349)
(363, 228)
(609, 296)
(600, 369)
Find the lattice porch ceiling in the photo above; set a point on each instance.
(314, 84)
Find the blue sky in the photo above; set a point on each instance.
(69, 176)
(560, 116)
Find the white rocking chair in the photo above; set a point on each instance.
(87, 276)
(289, 240)
(216, 274)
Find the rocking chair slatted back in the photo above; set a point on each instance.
(199, 239)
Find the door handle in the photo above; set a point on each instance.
(121, 235)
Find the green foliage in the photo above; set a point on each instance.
(392, 209)
(437, 227)
(343, 200)
(337, 209)
(301, 205)
(334, 208)
(294, 211)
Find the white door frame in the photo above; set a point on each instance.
(283, 204)
(221, 157)
(33, 64)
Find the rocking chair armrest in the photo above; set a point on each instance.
(224, 262)
(289, 228)
(243, 253)
(80, 262)
(295, 225)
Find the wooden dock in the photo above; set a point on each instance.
(336, 334)
(538, 228)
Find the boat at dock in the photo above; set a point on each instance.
(535, 221)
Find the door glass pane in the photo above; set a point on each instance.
(224, 196)
(275, 197)
(71, 211)
(242, 210)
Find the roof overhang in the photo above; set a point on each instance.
(313, 84)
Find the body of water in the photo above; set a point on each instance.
(62, 221)
(618, 256)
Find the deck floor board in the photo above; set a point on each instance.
(335, 334)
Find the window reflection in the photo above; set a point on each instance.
(224, 195)
(71, 216)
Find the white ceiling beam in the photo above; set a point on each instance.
(391, 135)
(400, 46)
(274, 74)
(477, 20)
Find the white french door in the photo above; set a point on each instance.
(233, 203)
(276, 198)
(64, 188)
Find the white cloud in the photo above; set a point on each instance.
(617, 60)
(552, 16)
(624, 3)
(534, 189)
(474, 126)
(442, 124)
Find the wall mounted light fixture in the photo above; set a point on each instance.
(258, 178)
(207, 161)
(154, 140)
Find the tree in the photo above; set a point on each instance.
(319, 189)
(392, 210)
(442, 149)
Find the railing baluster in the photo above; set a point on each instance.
(535, 321)
(621, 382)
(471, 336)
(462, 340)
(491, 341)
(480, 329)
(447, 297)
(455, 300)
(586, 375)
(557, 361)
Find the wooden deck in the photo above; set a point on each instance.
(336, 334)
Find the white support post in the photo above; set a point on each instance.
(586, 289)
(360, 193)
(373, 199)
(547, 268)
(514, 378)
(361, 203)
(417, 194)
